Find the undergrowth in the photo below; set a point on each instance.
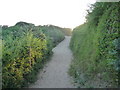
(95, 45)
(25, 50)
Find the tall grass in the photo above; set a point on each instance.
(95, 45)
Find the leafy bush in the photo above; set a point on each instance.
(19, 57)
(95, 44)
(53, 32)
(25, 48)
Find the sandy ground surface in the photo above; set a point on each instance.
(55, 73)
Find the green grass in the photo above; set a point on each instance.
(94, 45)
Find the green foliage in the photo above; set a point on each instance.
(67, 31)
(19, 57)
(53, 32)
(95, 44)
(25, 49)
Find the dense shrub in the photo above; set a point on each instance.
(95, 45)
(53, 32)
(25, 49)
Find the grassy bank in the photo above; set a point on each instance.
(95, 46)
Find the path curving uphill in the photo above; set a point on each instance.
(55, 73)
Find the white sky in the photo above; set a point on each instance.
(63, 13)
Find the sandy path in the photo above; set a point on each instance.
(55, 75)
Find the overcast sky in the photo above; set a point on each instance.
(63, 13)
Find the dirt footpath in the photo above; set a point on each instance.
(54, 74)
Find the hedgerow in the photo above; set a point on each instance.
(95, 45)
(25, 49)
